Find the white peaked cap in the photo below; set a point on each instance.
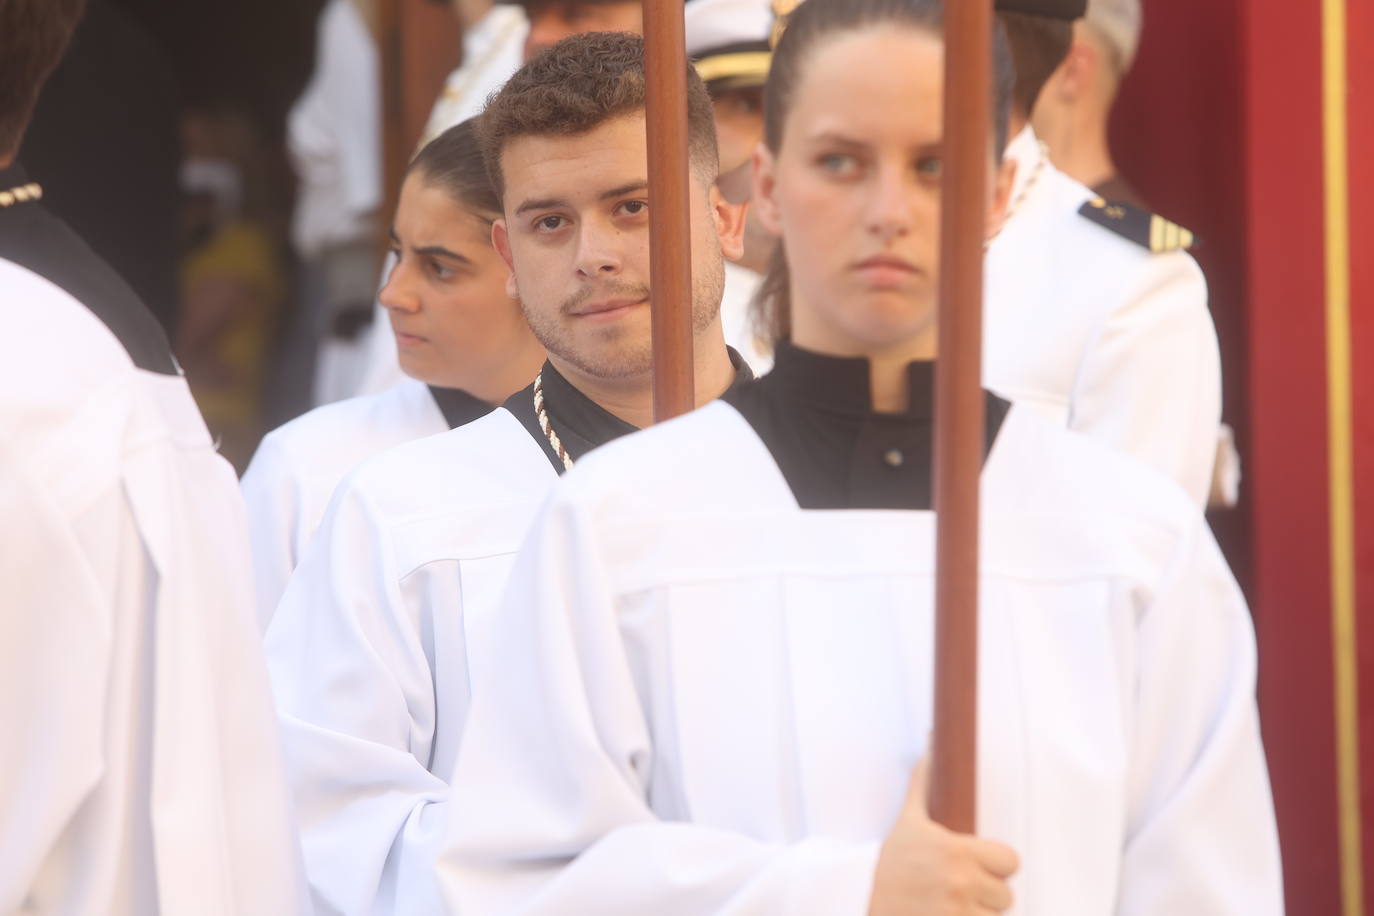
(729, 38)
(1118, 22)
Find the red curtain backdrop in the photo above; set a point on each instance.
(1221, 128)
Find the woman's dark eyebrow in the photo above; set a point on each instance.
(830, 136)
(436, 251)
(439, 251)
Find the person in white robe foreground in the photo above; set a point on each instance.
(711, 673)
(141, 771)
(460, 337)
(369, 650)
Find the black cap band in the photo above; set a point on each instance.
(1050, 9)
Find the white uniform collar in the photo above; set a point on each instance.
(492, 29)
(1028, 155)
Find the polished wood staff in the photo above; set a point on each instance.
(670, 249)
(418, 44)
(959, 411)
(389, 25)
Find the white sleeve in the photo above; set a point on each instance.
(272, 496)
(354, 683)
(1202, 836)
(55, 654)
(1150, 384)
(551, 808)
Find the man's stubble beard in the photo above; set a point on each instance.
(621, 357)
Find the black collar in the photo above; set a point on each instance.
(842, 383)
(32, 237)
(459, 407)
(815, 414)
(581, 423)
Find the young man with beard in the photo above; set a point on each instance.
(462, 340)
(499, 36)
(372, 646)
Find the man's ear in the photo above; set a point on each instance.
(1076, 74)
(1001, 198)
(729, 220)
(765, 184)
(500, 240)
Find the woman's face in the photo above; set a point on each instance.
(446, 296)
(854, 191)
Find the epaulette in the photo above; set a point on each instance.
(1140, 226)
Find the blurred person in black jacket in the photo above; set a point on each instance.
(115, 96)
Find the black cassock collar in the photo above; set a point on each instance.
(815, 414)
(32, 237)
(458, 407)
(581, 423)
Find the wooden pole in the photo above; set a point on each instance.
(418, 44)
(959, 419)
(390, 25)
(670, 253)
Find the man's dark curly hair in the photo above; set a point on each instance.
(576, 86)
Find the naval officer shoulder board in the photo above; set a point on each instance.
(1152, 232)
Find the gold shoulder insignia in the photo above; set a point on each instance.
(1140, 226)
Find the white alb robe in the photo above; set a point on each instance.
(1097, 332)
(368, 653)
(702, 699)
(141, 771)
(296, 468)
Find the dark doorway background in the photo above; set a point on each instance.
(255, 55)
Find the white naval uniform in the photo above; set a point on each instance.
(710, 701)
(493, 49)
(736, 318)
(294, 472)
(141, 772)
(368, 653)
(1099, 333)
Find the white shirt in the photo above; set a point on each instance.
(735, 315)
(703, 699)
(369, 660)
(334, 135)
(493, 49)
(1097, 332)
(142, 772)
(296, 468)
